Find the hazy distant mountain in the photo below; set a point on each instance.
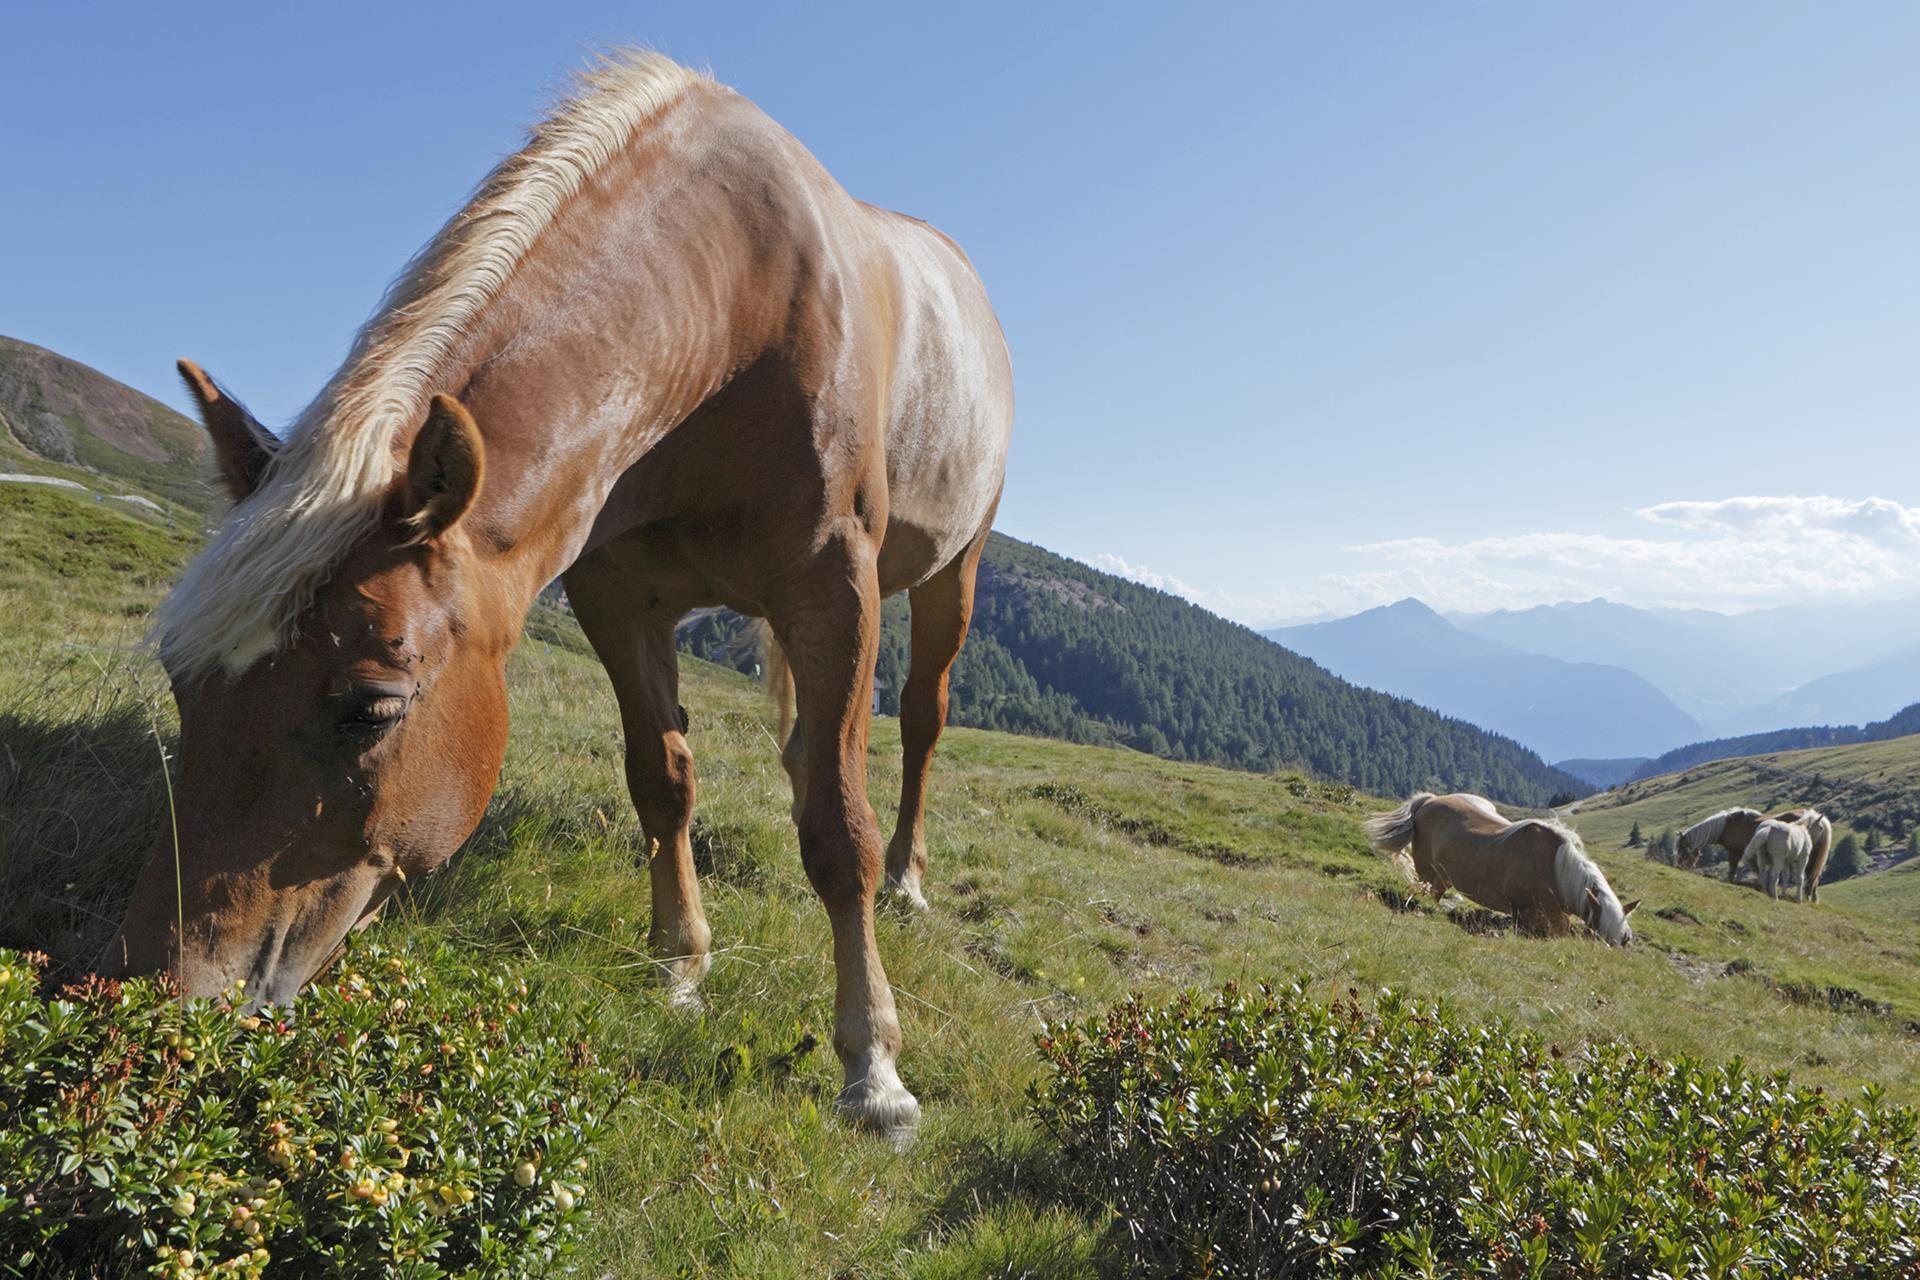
(1580, 710)
(1602, 773)
(1857, 696)
(1698, 658)
(1728, 671)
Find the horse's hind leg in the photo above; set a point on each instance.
(828, 621)
(942, 606)
(1427, 870)
(636, 646)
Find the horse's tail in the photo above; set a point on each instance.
(1391, 833)
(777, 675)
(1822, 832)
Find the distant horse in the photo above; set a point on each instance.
(1781, 850)
(1535, 870)
(1733, 830)
(660, 352)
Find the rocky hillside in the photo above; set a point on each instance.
(60, 418)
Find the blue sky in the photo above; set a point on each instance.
(1311, 305)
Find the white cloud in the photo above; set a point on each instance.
(1733, 553)
(1253, 610)
(1121, 567)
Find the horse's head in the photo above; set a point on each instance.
(1607, 917)
(359, 753)
(1687, 849)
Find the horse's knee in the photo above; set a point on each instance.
(660, 776)
(793, 759)
(838, 852)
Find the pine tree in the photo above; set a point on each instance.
(1634, 838)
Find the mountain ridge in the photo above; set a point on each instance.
(1559, 708)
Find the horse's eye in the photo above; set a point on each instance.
(374, 714)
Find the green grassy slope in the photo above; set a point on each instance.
(1062, 877)
(1863, 787)
(1893, 893)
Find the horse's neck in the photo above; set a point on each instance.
(1739, 829)
(612, 332)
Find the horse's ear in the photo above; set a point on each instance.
(242, 446)
(1593, 899)
(1631, 907)
(445, 469)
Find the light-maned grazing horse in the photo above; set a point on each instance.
(1780, 850)
(660, 352)
(1534, 870)
(1733, 830)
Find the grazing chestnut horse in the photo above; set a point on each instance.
(1534, 870)
(660, 352)
(1733, 830)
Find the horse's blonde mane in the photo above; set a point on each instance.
(321, 493)
(1708, 830)
(1575, 872)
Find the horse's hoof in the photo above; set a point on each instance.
(907, 892)
(681, 977)
(880, 1104)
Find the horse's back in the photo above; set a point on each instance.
(904, 306)
(1501, 865)
(950, 401)
(860, 351)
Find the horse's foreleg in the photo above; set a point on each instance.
(636, 646)
(829, 624)
(942, 606)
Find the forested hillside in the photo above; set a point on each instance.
(1066, 651)
(1898, 725)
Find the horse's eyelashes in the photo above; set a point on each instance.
(375, 714)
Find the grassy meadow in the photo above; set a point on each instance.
(1865, 783)
(1061, 878)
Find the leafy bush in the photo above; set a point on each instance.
(1267, 1134)
(1848, 860)
(410, 1116)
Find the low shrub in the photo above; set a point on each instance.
(410, 1115)
(1267, 1134)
